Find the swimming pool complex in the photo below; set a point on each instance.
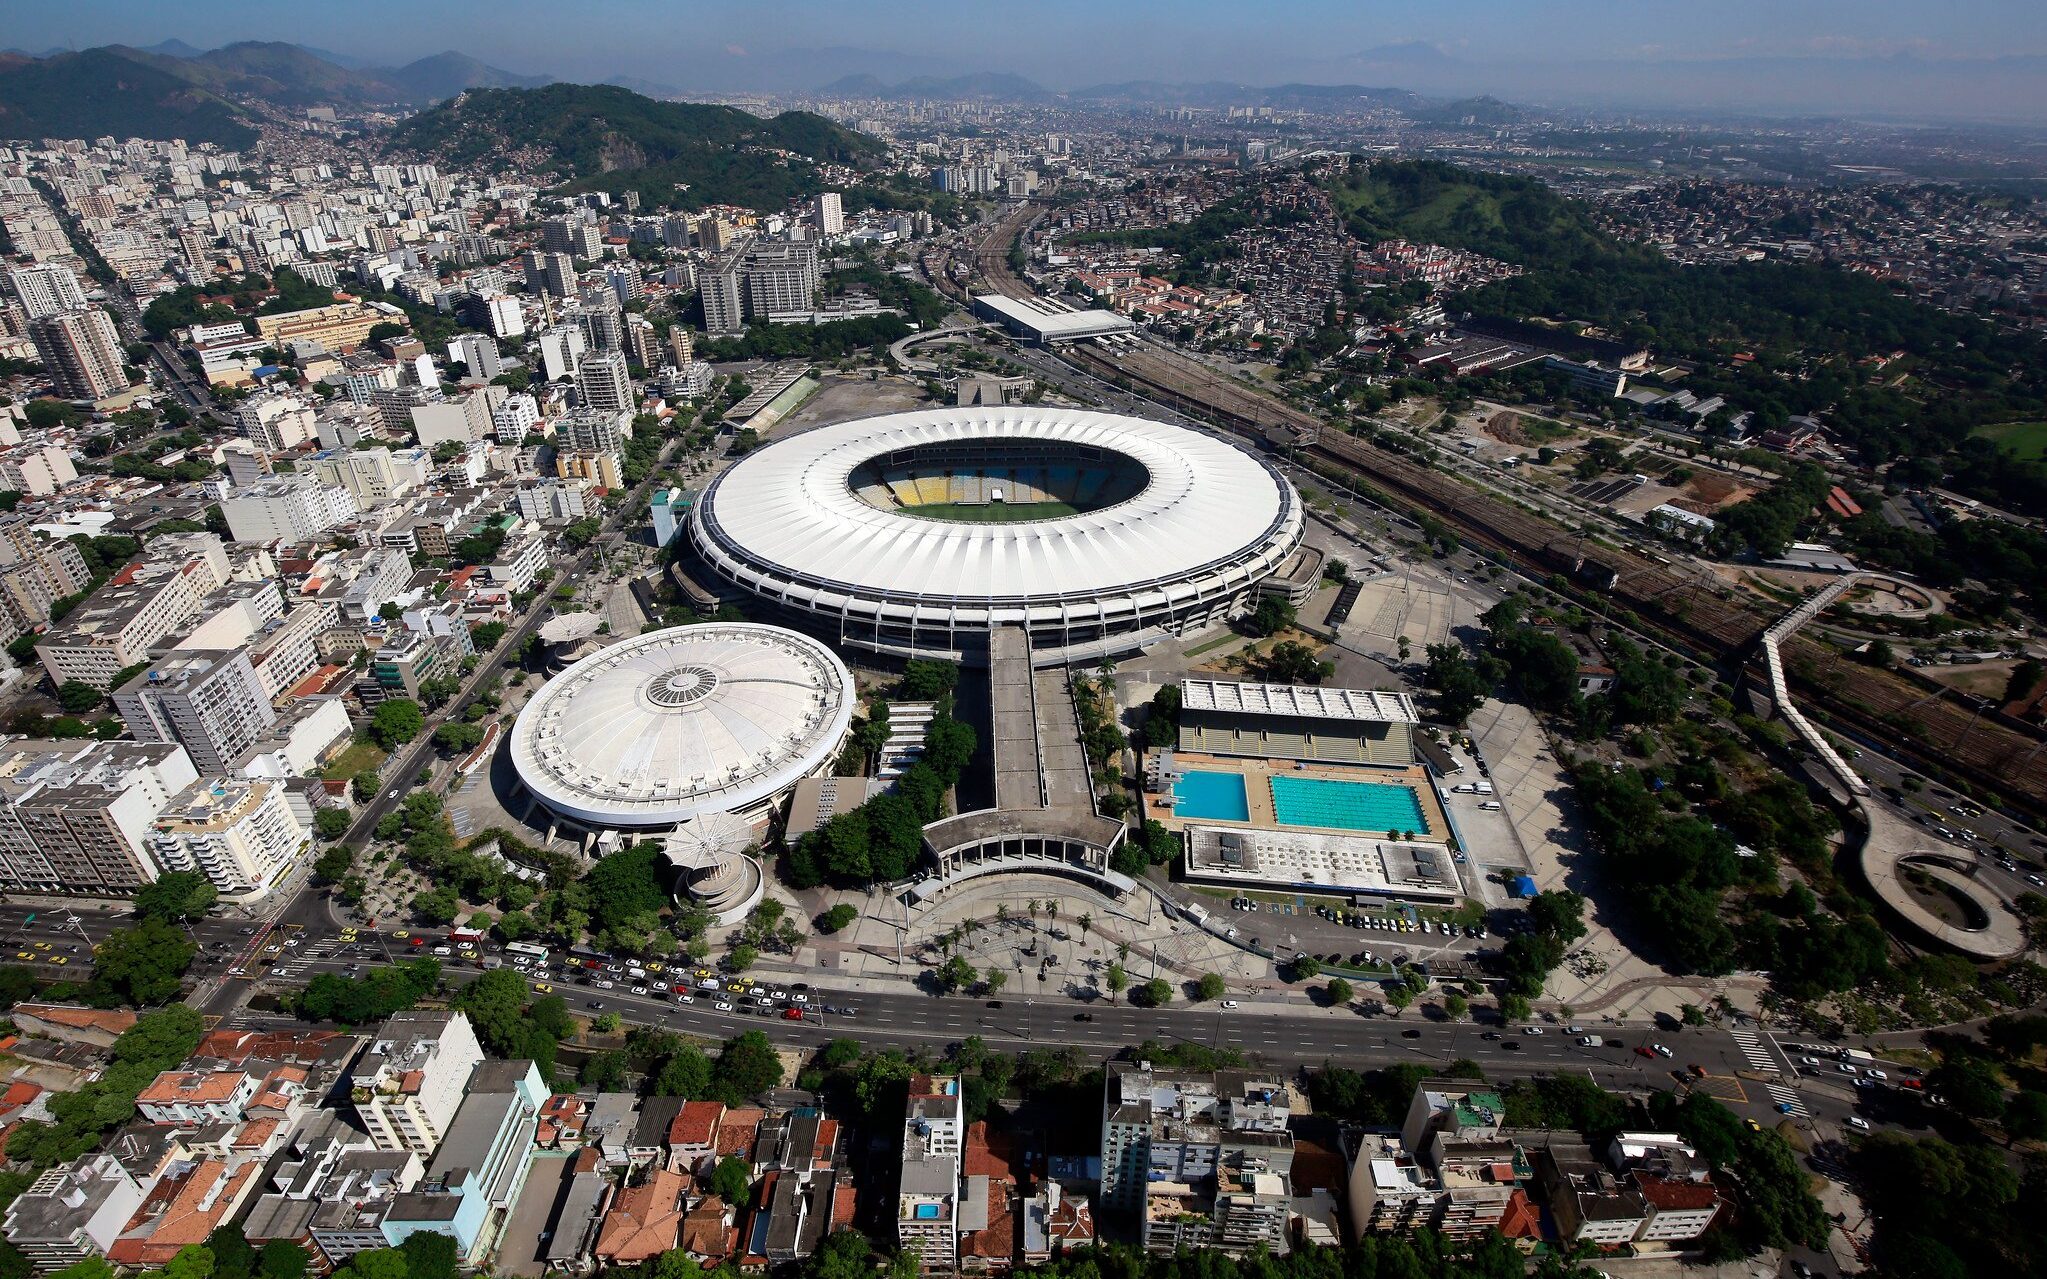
(1211, 796)
(1373, 807)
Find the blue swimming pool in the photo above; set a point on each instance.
(1362, 806)
(1214, 796)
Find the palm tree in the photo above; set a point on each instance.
(1033, 908)
(1052, 910)
(1085, 920)
(1002, 912)
(1122, 951)
(1403, 642)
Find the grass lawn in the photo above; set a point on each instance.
(360, 757)
(990, 513)
(2026, 440)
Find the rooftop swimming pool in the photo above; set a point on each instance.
(1212, 797)
(1372, 807)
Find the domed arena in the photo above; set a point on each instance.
(681, 724)
(913, 534)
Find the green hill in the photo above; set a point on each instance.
(602, 137)
(1514, 219)
(274, 72)
(100, 92)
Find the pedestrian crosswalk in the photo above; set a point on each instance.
(1755, 1051)
(1787, 1101)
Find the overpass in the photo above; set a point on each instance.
(1894, 849)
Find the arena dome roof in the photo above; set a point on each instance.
(692, 720)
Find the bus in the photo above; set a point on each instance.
(465, 936)
(527, 949)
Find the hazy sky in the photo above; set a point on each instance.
(1523, 46)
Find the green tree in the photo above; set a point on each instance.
(396, 722)
(1115, 980)
(78, 697)
(685, 1073)
(455, 737)
(283, 1259)
(1158, 992)
(330, 824)
(732, 1181)
(837, 918)
(1210, 987)
(365, 786)
(747, 1067)
(176, 896)
(1339, 992)
(141, 966)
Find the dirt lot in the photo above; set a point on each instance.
(1714, 491)
(843, 399)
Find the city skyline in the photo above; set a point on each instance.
(1978, 60)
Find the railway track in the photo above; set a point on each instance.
(1932, 727)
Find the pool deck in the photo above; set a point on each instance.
(1258, 774)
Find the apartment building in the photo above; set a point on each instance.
(77, 816)
(46, 290)
(81, 350)
(1201, 1159)
(781, 278)
(144, 602)
(242, 835)
(463, 420)
(74, 1211)
(34, 574)
(36, 469)
(276, 423)
(409, 1084)
(207, 700)
(1450, 1169)
(604, 386)
(554, 501)
(479, 353)
(722, 292)
(928, 1192)
(188, 1098)
(479, 1167)
(369, 475)
(295, 507)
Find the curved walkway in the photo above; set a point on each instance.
(900, 348)
(1892, 843)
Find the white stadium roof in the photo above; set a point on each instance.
(683, 722)
(1208, 507)
(1043, 320)
(1298, 701)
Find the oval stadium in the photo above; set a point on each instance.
(913, 534)
(683, 723)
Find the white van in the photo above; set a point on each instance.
(1491, 806)
(1482, 788)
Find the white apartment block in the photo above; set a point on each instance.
(459, 421)
(288, 508)
(242, 835)
(549, 501)
(367, 474)
(74, 1211)
(190, 1098)
(511, 420)
(207, 701)
(830, 214)
(36, 469)
(46, 290)
(288, 649)
(115, 627)
(604, 385)
(76, 816)
(480, 353)
(518, 564)
(277, 423)
(410, 1083)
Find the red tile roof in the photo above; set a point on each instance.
(1675, 1196)
(696, 1124)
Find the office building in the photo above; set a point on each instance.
(1202, 1160)
(409, 1084)
(46, 290)
(829, 214)
(242, 835)
(604, 385)
(295, 507)
(342, 326)
(479, 351)
(81, 350)
(276, 423)
(76, 816)
(669, 509)
(207, 700)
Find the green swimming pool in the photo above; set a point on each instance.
(1375, 807)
